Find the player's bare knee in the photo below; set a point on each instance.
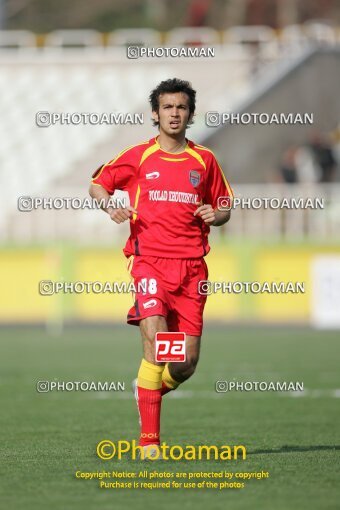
(188, 371)
(182, 374)
(192, 364)
(182, 371)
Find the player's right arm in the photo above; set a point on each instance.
(118, 174)
(117, 214)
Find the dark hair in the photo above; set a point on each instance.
(172, 86)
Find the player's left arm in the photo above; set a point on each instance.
(217, 202)
(212, 216)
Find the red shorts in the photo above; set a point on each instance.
(169, 287)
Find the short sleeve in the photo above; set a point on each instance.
(118, 173)
(217, 185)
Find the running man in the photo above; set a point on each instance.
(175, 187)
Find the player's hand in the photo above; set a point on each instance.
(207, 213)
(121, 214)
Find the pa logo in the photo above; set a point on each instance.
(170, 346)
(194, 177)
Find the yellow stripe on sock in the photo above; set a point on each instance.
(150, 375)
(168, 380)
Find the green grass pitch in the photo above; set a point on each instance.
(47, 437)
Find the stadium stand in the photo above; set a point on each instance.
(16, 39)
(74, 38)
(192, 35)
(141, 36)
(84, 71)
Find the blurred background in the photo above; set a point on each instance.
(274, 56)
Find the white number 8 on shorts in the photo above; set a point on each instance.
(149, 286)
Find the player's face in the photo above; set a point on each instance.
(173, 114)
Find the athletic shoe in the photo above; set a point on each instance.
(151, 452)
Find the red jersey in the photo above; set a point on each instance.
(166, 189)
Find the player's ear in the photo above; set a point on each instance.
(155, 116)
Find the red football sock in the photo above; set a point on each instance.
(149, 406)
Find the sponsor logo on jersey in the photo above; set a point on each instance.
(194, 177)
(152, 175)
(150, 304)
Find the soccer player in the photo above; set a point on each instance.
(174, 187)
